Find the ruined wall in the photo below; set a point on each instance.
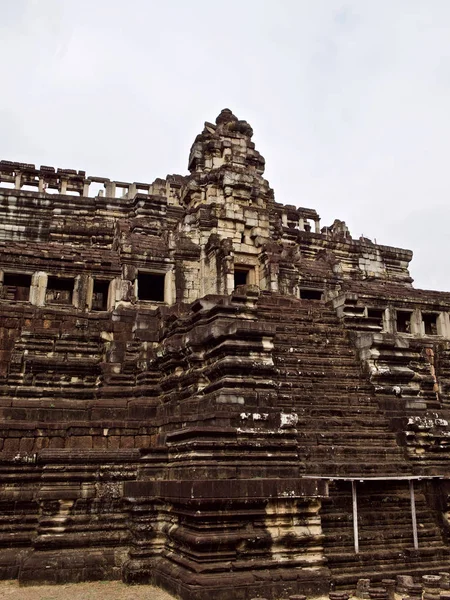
(191, 234)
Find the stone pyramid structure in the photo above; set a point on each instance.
(205, 389)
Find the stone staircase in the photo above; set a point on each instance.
(385, 533)
(406, 369)
(54, 364)
(341, 429)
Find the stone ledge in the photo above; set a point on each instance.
(283, 489)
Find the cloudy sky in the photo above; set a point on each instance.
(349, 100)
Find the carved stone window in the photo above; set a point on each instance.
(308, 294)
(59, 290)
(403, 321)
(430, 323)
(16, 287)
(241, 276)
(376, 316)
(100, 295)
(150, 286)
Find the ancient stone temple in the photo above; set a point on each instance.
(205, 389)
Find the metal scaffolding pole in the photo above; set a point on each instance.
(413, 513)
(355, 517)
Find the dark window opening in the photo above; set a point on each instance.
(430, 323)
(100, 295)
(16, 286)
(240, 277)
(403, 321)
(376, 316)
(59, 290)
(306, 294)
(151, 286)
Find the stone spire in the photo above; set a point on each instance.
(225, 144)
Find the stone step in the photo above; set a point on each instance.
(380, 557)
(329, 360)
(369, 535)
(393, 466)
(321, 384)
(355, 437)
(335, 411)
(347, 581)
(340, 523)
(342, 452)
(391, 547)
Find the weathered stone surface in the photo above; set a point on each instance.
(192, 375)
(362, 588)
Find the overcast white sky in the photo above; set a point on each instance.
(349, 100)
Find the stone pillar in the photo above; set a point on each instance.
(169, 287)
(389, 320)
(229, 283)
(228, 271)
(273, 277)
(431, 587)
(129, 285)
(317, 226)
(404, 583)
(443, 324)
(38, 288)
(110, 301)
(445, 581)
(117, 292)
(202, 272)
(80, 292)
(89, 291)
(86, 185)
(110, 188)
(132, 190)
(63, 186)
(417, 327)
